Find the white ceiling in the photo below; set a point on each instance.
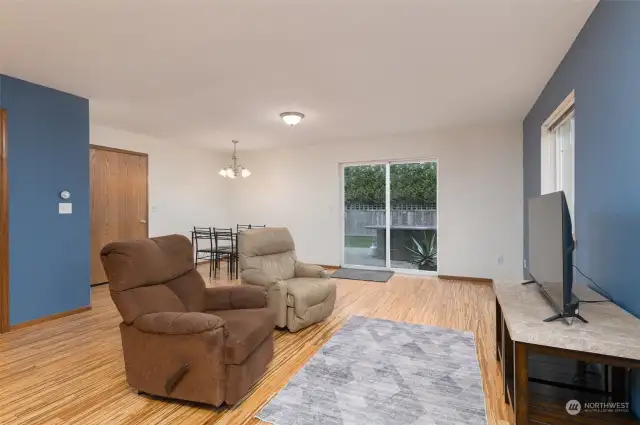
(208, 71)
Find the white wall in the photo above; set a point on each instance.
(480, 195)
(184, 187)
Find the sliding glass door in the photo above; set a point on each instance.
(413, 187)
(365, 217)
(390, 216)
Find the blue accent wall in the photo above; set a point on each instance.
(48, 148)
(603, 66)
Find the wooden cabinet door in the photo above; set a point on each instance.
(119, 201)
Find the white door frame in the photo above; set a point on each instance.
(387, 164)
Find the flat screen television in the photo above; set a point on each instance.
(551, 252)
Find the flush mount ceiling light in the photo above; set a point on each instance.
(292, 118)
(235, 169)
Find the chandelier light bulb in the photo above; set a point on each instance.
(292, 118)
(235, 169)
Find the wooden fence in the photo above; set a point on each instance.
(357, 219)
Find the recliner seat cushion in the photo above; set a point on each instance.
(305, 292)
(245, 331)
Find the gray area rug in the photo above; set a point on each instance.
(357, 274)
(381, 372)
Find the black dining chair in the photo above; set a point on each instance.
(202, 239)
(225, 248)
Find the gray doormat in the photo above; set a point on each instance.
(357, 274)
(381, 372)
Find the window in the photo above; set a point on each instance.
(558, 153)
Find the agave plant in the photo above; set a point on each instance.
(424, 254)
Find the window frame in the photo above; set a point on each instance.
(550, 154)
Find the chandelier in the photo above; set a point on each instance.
(235, 169)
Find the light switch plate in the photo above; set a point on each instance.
(65, 208)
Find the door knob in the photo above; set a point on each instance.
(143, 221)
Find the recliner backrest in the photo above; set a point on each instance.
(153, 276)
(268, 249)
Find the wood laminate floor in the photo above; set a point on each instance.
(71, 370)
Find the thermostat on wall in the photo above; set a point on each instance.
(65, 194)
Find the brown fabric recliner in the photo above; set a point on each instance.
(179, 338)
(301, 294)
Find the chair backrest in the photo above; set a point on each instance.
(240, 227)
(203, 241)
(268, 249)
(153, 276)
(202, 232)
(224, 237)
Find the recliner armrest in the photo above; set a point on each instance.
(258, 277)
(174, 323)
(234, 297)
(310, 270)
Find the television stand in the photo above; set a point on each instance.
(520, 336)
(561, 316)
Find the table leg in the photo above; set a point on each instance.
(498, 329)
(619, 384)
(507, 361)
(521, 383)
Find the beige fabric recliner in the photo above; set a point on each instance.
(300, 294)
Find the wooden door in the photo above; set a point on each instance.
(119, 201)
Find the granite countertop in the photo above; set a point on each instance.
(611, 330)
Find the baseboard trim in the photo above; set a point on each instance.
(50, 318)
(483, 280)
